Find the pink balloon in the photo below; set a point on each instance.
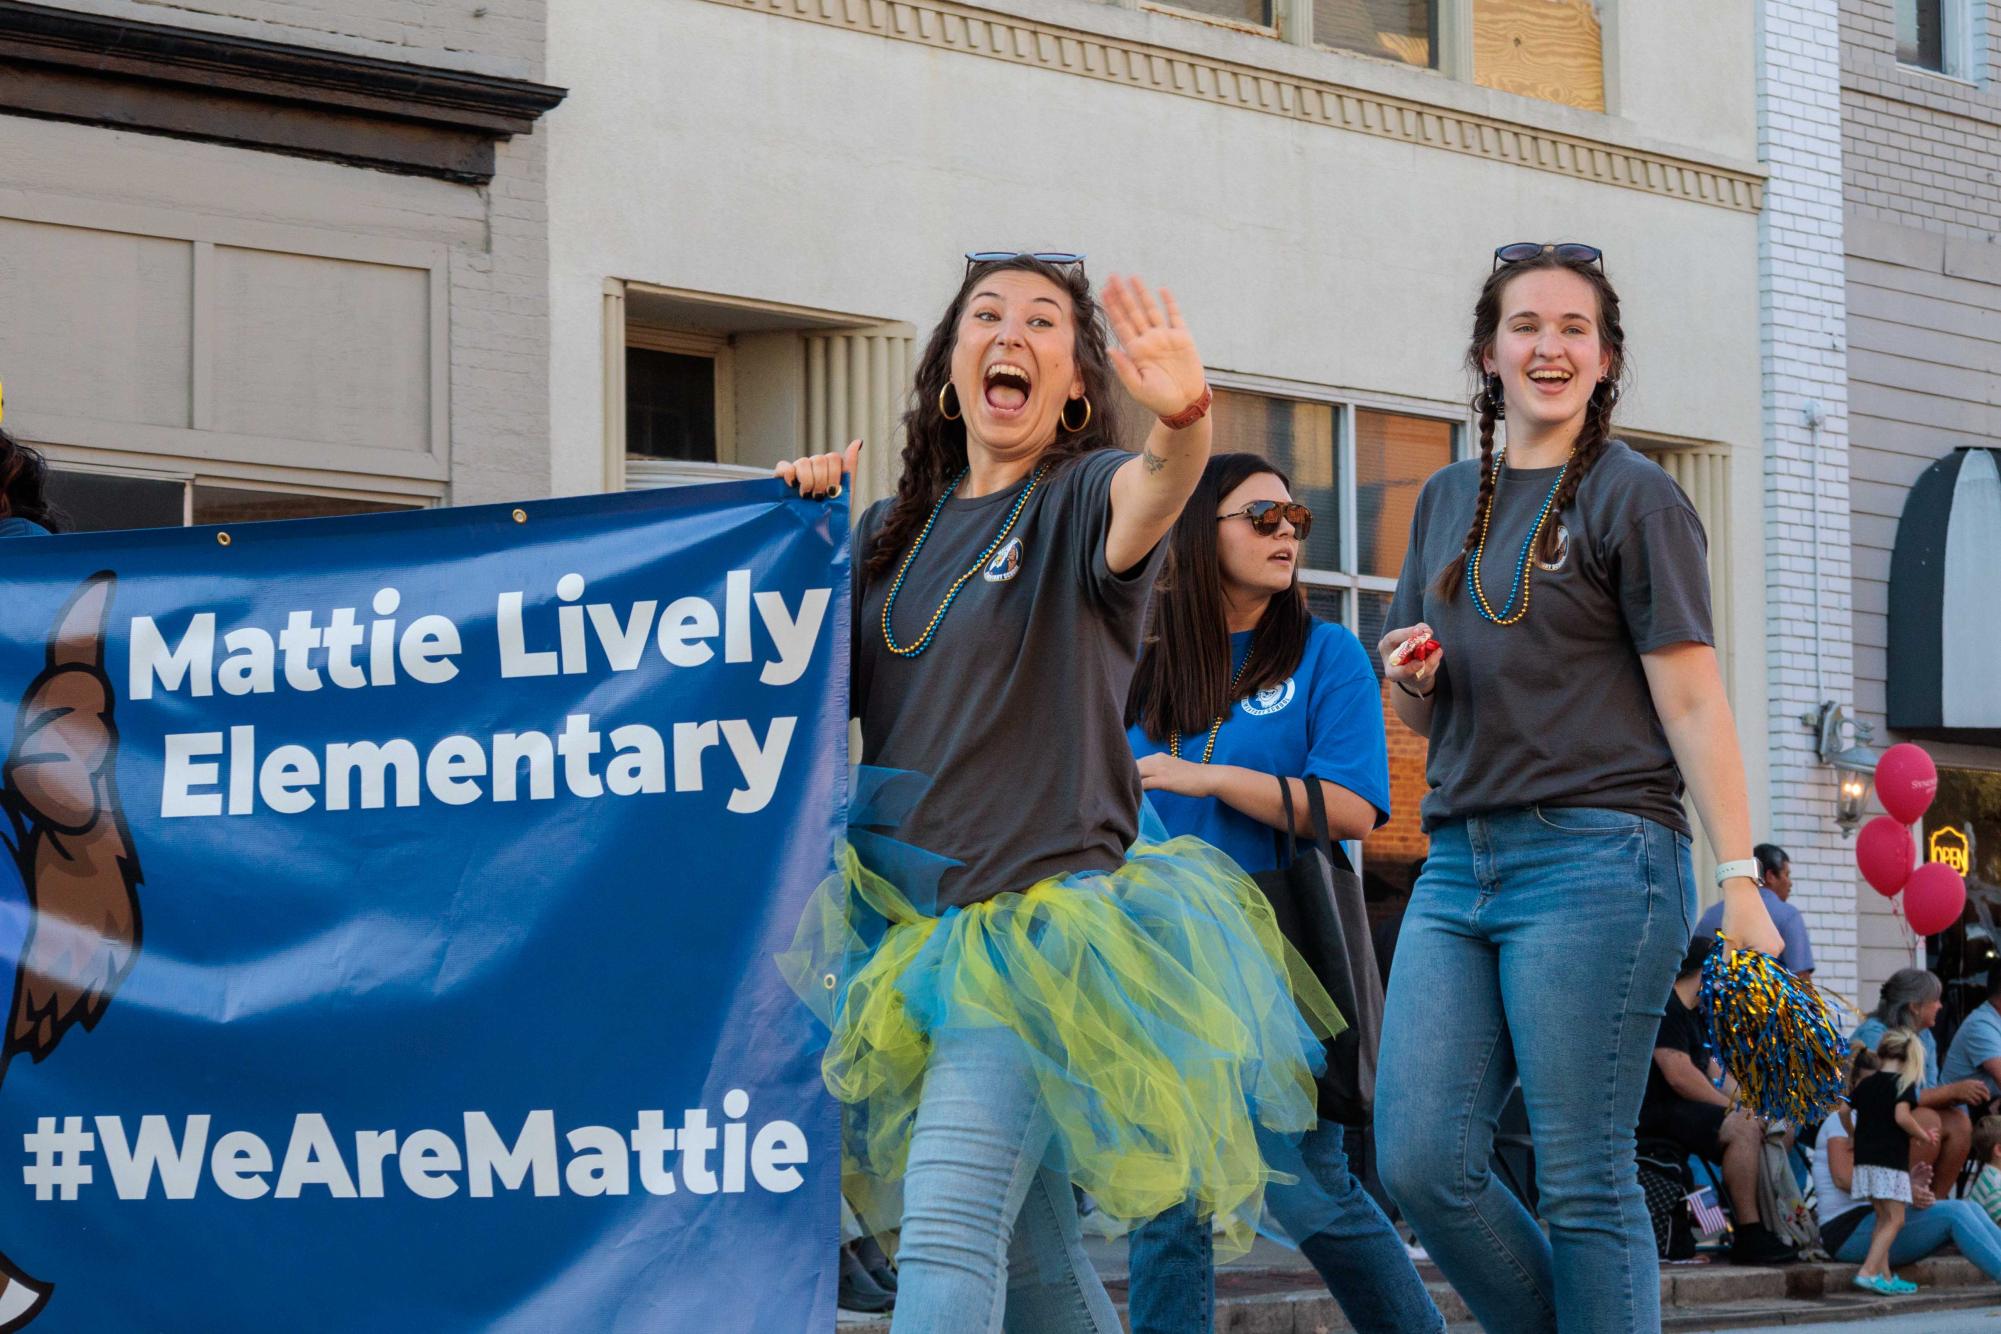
(1884, 850)
(1934, 898)
(1906, 782)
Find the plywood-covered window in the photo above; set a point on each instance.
(1548, 49)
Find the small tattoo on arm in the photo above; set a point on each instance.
(1154, 462)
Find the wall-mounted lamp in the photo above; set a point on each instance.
(1851, 758)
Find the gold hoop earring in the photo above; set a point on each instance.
(1064, 417)
(942, 412)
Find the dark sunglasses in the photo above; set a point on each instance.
(1057, 257)
(1570, 252)
(1265, 515)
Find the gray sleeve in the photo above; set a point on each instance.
(1087, 523)
(1662, 566)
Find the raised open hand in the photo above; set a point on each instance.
(1155, 357)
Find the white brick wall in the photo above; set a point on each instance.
(1803, 309)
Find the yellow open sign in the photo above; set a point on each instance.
(1948, 845)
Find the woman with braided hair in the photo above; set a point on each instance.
(1558, 897)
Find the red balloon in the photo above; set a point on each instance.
(1934, 898)
(1885, 850)
(1906, 782)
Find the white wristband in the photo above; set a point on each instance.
(1747, 868)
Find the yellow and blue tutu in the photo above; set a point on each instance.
(1165, 1018)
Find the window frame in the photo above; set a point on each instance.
(1957, 25)
(713, 348)
(1349, 582)
(1452, 52)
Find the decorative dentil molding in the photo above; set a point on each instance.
(943, 25)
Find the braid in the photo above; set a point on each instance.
(1447, 586)
(1590, 444)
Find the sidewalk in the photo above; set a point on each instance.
(1273, 1291)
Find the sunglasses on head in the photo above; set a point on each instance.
(1056, 257)
(1570, 252)
(1265, 515)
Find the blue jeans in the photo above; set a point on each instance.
(1358, 1254)
(1925, 1230)
(1540, 945)
(990, 1239)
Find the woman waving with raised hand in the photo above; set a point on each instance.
(1023, 994)
(1553, 642)
(1239, 689)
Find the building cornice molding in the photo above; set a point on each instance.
(304, 100)
(946, 26)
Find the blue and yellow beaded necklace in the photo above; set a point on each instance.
(1510, 613)
(938, 616)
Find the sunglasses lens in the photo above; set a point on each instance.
(1574, 253)
(1519, 251)
(1301, 519)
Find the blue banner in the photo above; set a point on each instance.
(389, 905)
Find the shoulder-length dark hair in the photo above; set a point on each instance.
(934, 451)
(1591, 440)
(1182, 683)
(24, 480)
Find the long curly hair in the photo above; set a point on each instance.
(934, 451)
(24, 479)
(1597, 429)
(1182, 683)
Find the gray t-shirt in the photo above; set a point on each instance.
(1015, 712)
(1555, 710)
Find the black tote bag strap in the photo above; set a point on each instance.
(1283, 840)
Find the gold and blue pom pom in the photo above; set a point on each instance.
(1774, 1035)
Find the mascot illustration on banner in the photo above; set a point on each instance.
(69, 904)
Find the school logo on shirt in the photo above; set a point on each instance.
(1562, 551)
(1270, 700)
(1005, 565)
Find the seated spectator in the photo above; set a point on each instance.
(1976, 1048)
(1929, 1223)
(1775, 871)
(1986, 1188)
(1912, 999)
(1684, 1107)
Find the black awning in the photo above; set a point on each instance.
(1945, 602)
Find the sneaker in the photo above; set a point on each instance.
(858, 1292)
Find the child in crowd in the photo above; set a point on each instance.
(1883, 1101)
(1986, 1189)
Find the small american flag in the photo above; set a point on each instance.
(1709, 1219)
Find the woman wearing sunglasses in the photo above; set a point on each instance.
(1573, 691)
(1058, 1000)
(1239, 687)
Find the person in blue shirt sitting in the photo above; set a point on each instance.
(1775, 875)
(1238, 686)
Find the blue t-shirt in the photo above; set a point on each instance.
(16, 526)
(1977, 1042)
(1325, 721)
(1798, 954)
(1870, 1032)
